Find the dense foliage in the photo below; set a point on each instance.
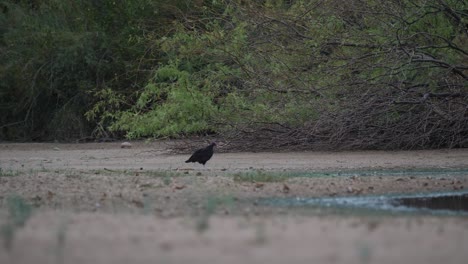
(58, 57)
(267, 74)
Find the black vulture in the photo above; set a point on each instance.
(202, 155)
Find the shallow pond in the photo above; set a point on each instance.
(445, 203)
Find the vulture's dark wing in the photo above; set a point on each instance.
(196, 156)
(202, 155)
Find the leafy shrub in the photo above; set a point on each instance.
(264, 74)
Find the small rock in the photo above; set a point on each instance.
(126, 145)
(259, 185)
(179, 187)
(199, 173)
(350, 189)
(372, 225)
(138, 203)
(145, 185)
(359, 191)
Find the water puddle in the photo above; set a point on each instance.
(441, 172)
(448, 203)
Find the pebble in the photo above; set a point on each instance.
(126, 145)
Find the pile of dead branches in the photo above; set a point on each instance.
(432, 120)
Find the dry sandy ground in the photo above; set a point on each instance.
(98, 203)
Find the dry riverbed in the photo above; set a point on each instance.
(99, 203)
